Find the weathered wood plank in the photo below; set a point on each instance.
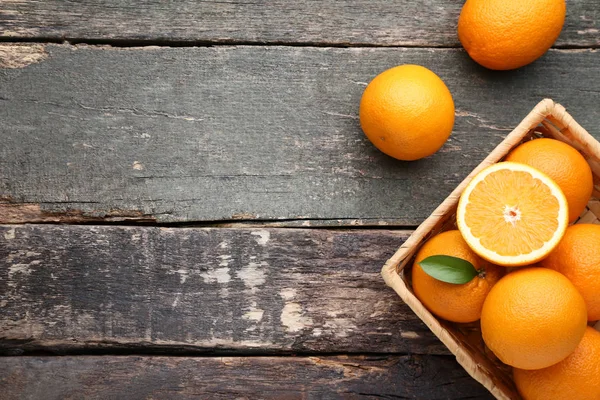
(254, 133)
(348, 22)
(406, 377)
(68, 288)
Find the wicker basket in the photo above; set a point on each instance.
(547, 119)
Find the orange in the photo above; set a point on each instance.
(578, 258)
(533, 318)
(457, 303)
(512, 214)
(508, 34)
(407, 112)
(577, 377)
(565, 165)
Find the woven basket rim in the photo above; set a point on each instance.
(546, 111)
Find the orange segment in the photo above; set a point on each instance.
(512, 214)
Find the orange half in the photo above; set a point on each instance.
(512, 214)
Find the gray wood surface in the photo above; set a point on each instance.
(388, 377)
(239, 141)
(252, 133)
(80, 288)
(348, 22)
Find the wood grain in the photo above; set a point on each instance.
(248, 133)
(355, 377)
(81, 288)
(348, 22)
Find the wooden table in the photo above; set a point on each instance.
(189, 208)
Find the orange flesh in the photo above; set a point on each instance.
(528, 204)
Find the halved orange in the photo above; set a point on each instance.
(512, 214)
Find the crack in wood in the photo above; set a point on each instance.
(22, 213)
(132, 111)
(141, 113)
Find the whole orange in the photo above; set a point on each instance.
(457, 303)
(508, 34)
(407, 112)
(533, 318)
(577, 377)
(577, 257)
(565, 165)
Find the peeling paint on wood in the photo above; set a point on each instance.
(263, 236)
(243, 216)
(21, 55)
(72, 288)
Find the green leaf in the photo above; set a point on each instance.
(449, 269)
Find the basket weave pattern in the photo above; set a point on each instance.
(547, 119)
